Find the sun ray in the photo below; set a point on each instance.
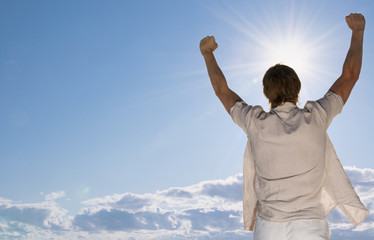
(270, 37)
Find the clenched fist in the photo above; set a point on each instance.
(355, 21)
(208, 45)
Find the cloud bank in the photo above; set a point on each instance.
(207, 210)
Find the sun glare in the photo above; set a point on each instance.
(290, 52)
(269, 38)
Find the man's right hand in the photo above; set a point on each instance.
(208, 45)
(355, 21)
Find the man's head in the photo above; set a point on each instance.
(281, 84)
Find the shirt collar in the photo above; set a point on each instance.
(285, 107)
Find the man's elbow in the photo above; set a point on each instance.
(351, 74)
(220, 92)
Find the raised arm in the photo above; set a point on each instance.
(218, 80)
(352, 64)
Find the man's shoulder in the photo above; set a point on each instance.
(243, 104)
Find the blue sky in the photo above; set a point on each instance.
(100, 98)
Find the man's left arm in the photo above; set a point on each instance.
(218, 80)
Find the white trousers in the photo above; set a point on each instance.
(308, 229)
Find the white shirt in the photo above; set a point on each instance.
(290, 168)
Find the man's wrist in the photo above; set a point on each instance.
(358, 30)
(358, 33)
(207, 54)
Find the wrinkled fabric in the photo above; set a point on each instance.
(310, 229)
(290, 168)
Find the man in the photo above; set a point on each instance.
(292, 177)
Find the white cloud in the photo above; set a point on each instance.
(45, 215)
(207, 210)
(54, 195)
(360, 174)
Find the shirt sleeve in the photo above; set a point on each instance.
(330, 106)
(241, 114)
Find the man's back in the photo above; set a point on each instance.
(288, 147)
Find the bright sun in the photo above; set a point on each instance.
(292, 53)
(269, 39)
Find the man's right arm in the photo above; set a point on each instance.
(352, 64)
